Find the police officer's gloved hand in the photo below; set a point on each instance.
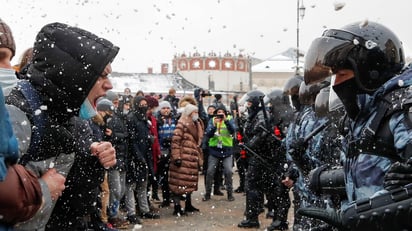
(399, 174)
(297, 147)
(329, 216)
(178, 162)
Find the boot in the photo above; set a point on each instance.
(278, 225)
(178, 211)
(189, 207)
(206, 197)
(217, 192)
(165, 203)
(155, 196)
(249, 223)
(230, 196)
(239, 190)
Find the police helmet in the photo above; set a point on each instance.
(322, 102)
(254, 97)
(371, 50)
(280, 106)
(292, 85)
(276, 96)
(308, 92)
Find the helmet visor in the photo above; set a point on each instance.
(324, 56)
(334, 102)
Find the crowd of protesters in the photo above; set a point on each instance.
(75, 155)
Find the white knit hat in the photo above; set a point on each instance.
(164, 103)
(189, 108)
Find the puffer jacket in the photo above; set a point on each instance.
(67, 62)
(185, 146)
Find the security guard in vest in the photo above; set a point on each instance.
(220, 131)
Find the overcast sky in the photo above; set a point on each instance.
(151, 32)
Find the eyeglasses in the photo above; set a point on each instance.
(142, 105)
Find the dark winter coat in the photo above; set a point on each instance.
(119, 139)
(140, 160)
(63, 73)
(186, 143)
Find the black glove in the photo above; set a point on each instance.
(298, 146)
(297, 152)
(178, 162)
(331, 217)
(399, 174)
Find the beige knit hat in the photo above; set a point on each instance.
(6, 37)
(189, 108)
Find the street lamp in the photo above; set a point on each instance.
(300, 11)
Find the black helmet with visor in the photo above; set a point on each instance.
(371, 50)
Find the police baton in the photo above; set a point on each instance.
(316, 131)
(264, 162)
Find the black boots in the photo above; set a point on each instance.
(178, 211)
(239, 190)
(278, 225)
(217, 192)
(189, 207)
(230, 196)
(249, 223)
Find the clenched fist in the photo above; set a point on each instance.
(105, 152)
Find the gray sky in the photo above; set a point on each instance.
(151, 32)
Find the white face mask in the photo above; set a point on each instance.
(87, 111)
(195, 117)
(8, 80)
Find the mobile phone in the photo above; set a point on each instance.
(220, 116)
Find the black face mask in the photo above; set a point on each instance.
(141, 112)
(347, 93)
(295, 102)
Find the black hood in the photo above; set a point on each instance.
(67, 62)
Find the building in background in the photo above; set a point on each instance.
(231, 73)
(276, 70)
(227, 75)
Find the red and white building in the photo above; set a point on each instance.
(215, 72)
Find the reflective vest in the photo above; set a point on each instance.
(222, 136)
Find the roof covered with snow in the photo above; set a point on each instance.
(283, 62)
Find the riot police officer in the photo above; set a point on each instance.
(261, 147)
(278, 201)
(303, 149)
(366, 58)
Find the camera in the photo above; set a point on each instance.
(219, 116)
(205, 93)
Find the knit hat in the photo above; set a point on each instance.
(6, 37)
(110, 95)
(104, 104)
(151, 101)
(189, 108)
(164, 104)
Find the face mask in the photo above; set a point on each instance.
(142, 110)
(125, 112)
(87, 111)
(295, 102)
(195, 117)
(8, 80)
(346, 94)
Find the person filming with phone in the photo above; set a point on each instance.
(220, 131)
